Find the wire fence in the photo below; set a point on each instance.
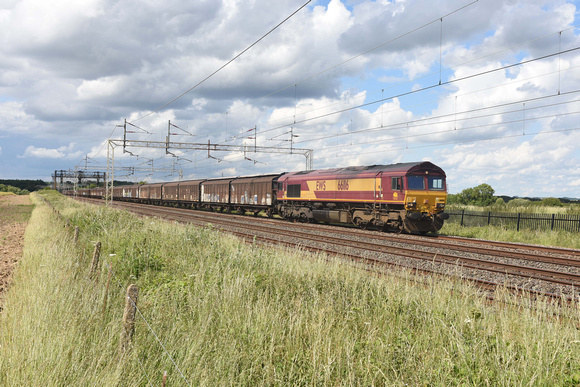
(131, 300)
(517, 221)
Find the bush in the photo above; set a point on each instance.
(551, 202)
(482, 195)
(17, 191)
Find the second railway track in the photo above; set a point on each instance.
(538, 269)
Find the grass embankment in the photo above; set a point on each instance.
(235, 314)
(510, 234)
(545, 238)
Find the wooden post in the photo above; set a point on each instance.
(96, 257)
(76, 237)
(164, 378)
(129, 318)
(107, 291)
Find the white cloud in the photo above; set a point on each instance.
(63, 152)
(99, 88)
(38, 22)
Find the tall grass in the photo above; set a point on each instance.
(559, 238)
(230, 313)
(526, 207)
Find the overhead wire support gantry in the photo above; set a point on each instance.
(209, 147)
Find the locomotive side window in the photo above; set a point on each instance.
(396, 183)
(280, 186)
(416, 182)
(293, 191)
(435, 183)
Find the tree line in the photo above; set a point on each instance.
(483, 196)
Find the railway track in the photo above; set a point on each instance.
(553, 272)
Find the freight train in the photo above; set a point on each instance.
(404, 197)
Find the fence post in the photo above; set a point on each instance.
(552, 226)
(488, 217)
(519, 217)
(76, 237)
(129, 318)
(96, 257)
(462, 213)
(107, 290)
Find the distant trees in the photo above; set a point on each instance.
(551, 202)
(482, 195)
(28, 185)
(15, 190)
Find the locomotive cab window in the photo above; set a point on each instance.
(435, 183)
(396, 183)
(280, 186)
(416, 182)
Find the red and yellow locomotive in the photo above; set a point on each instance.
(400, 197)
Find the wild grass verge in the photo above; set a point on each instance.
(230, 313)
(545, 238)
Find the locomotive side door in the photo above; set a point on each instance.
(378, 193)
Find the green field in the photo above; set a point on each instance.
(222, 312)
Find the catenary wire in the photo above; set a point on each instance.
(342, 155)
(454, 114)
(420, 90)
(223, 66)
(411, 80)
(361, 54)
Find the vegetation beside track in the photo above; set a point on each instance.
(234, 313)
(545, 238)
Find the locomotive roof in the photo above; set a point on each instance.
(393, 168)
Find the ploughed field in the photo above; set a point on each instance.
(14, 213)
(550, 271)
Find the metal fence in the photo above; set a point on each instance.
(515, 221)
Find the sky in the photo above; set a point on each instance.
(488, 90)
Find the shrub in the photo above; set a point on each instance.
(551, 202)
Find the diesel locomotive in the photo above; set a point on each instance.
(404, 197)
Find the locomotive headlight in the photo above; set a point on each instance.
(440, 203)
(411, 202)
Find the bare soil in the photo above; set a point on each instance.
(15, 211)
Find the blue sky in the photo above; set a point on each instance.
(356, 81)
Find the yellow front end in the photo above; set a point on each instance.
(426, 202)
(424, 210)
